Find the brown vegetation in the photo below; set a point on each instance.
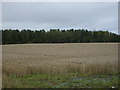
(85, 58)
(92, 58)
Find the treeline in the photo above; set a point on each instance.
(10, 36)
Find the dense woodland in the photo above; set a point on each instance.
(10, 36)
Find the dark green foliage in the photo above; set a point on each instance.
(10, 36)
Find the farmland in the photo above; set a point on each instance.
(80, 65)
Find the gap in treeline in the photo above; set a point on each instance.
(11, 36)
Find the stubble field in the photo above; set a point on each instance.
(63, 61)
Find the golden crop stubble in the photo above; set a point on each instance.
(86, 58)
(0, 66)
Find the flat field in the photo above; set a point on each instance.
(81, 65)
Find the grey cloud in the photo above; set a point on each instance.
(40, 15)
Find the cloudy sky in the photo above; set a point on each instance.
(62, 15)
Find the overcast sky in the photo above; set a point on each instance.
(50, 15)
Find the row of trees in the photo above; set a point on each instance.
(10, 36)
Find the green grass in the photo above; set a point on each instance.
(72, 80)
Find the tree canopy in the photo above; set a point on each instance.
(10, 36)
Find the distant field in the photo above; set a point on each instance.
(58, 59)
